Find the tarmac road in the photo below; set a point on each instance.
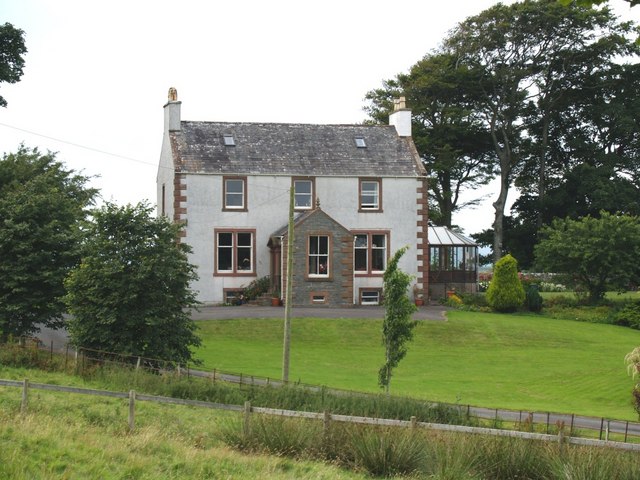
(430, 312)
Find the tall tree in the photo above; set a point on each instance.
(597, 253)
(130, 294)
(528, 56)
(42, 206)
(12, 49)
(453, 145)
(397, 326)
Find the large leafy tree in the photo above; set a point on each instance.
(12, 50)
(452, 143)
(397, 326)
(130, 294)
(42, 205)
(597, 253)
(593, 157)
(529, 57)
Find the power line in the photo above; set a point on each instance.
(97, 150)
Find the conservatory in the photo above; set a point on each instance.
(453, 263)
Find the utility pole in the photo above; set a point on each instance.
(287, 295)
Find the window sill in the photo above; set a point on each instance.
(239, 273)
(232, 209)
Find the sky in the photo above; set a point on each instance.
(97, 73)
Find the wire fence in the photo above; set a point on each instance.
(326, 417)
(84, 359)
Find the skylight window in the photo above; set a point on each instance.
(229, 140)
(360, 143)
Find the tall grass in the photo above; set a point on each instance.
(386, 452)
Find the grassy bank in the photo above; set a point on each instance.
(73, 436)
(509, 361)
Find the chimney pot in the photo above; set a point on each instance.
(172, 111)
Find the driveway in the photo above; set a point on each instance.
(431, 312)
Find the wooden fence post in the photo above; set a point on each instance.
(247, 416)
(132, 410)
(414, 422)
(561, 438)
(326, 430)
(25, 396)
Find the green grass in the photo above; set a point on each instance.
(66, 435)
(507, 361)
(74, 436)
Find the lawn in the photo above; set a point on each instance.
(507, 361)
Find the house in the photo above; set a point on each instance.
(359, 192)
(453, 262)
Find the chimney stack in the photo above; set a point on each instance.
(172, 112)
(401, 117)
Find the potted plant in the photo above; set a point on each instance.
(275, 298)
(418, 296)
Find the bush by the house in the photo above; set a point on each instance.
(505, 294)
(256, 288)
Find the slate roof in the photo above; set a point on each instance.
(444, 236)
(293, 149)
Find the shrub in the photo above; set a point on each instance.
(453, 301)
(505, 293)
(533, 298)
(256, 288)
(628, 316)
(476, 300)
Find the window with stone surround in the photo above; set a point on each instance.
(235, 252)
(318, 256)
(370, 195)
(235, 193)
(303, 193)
(371, 251)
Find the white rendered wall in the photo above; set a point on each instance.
(268, 205)
(165, 177)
